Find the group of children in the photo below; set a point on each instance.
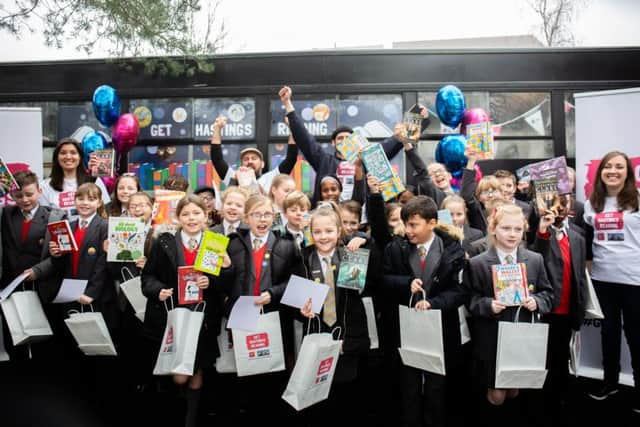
(414, 259)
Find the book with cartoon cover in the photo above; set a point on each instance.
(412, 127)
(188, 290)
(556, 167)
(480, 137)
(353, 269)
(351, 146)
(7, 181)
(61, 233)
(126, 239)
(510, 283)
(209, 258)
(376, 163)
(546, 195)
(164, 210)
(105, 162)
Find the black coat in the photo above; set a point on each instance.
(550, 251)
(161, 272)
(471, 235)
(440, 279)
(478, 280)
(281, 260)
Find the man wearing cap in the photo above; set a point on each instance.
(323, 163)
(249, 157)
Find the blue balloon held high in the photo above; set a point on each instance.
(106, 105)
(450, 152)
(91, 142)
(450, 105)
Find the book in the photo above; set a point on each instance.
(480, 137)
(510, 283)
(353, 269)
(105, 165)
(351, 146)
(546, 195)
(188, 290)
(126, 239)
(556, 167)
(7, 181)
(376, 163)
(412, 128)
(164, 210)
(444, 217)
(61, 233)
(278, 223)
(209, 258)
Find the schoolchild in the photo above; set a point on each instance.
(458, 209)
(126, 185)
(233, 202)
(296, 208)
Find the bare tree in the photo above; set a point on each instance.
(150, 30)
(556, 20)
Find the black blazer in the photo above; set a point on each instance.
(478, 280)
(471, 235)
(550, 251)
(281, 260)
(440, 281)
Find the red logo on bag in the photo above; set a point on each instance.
(169, 339)
(255, 341)
(325, 366)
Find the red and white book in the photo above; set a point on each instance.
(188, 290)
(61, 233)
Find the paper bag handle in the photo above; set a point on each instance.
(533, 315)
(309, 324)
(424, 297)
(202, 304)
(123, 270)
(339, 329)
(166, 305)
(82, 307)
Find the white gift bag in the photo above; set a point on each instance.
(25, 318)
(132, 289)
(372, 327)
(421, 343)
(226, 362)
(592, 308)
(260, 351)
(179, 345)
(312, 375)
(4, 356)
(521, 354)
(574, 352)
(465, 333)
(90, 332)
(298, 335)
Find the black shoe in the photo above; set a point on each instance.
(604, 392)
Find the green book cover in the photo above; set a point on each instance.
(126, 239)
(353, 269)
(209, 258)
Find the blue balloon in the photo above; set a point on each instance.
(91, 142)
(450, 152)
(106, 105)
(450, 105)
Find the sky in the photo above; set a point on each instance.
(293, 25)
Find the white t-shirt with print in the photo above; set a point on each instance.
(616, 243)
(65, 199)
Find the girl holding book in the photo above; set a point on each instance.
(613, 243)
(506, 227)
(126, 185)
(160, 282)
(67, 174)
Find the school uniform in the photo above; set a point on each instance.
(226, 228)
(564, 252)
(478, 281)
(161, 272)
(470, 236)
(439, 271)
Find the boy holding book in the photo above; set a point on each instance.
(428, 259)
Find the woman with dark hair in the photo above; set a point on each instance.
(613, 243)
(67, 174)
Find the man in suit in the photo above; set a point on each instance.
(428, 259)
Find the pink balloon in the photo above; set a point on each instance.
(109, 182)
(473, 116)
(125, 133)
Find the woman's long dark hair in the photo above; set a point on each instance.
(627, 198)
(57, 174)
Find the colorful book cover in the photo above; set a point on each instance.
(164, 210)
(412, 127)
(126, 239)
(391, 188)
(188, 290)
(105, 165)
(546, 195)
(353, 269)
(376, 163)
(209, 258)
(510, 283)
(444, 217)
(7, 181)
(480, 137)
(556, 167)
(278, 223)
(157, 179)
(61, 233)
(351, 146)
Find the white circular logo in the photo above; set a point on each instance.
(236, 112)
(307, 114)
(352, 110)
(179, 115)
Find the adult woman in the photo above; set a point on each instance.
(613, 242)
(67, 174)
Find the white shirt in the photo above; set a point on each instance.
(503, 255)
(32, 212)
(426, 245)
(65, 199)
(323, 264)
(298, 236)
(185, 238)
(262, 239)
(89, 219)
(226, 224)
(616, 243)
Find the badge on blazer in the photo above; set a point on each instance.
(531, 287)
(41, 242)
(91, 251)
(317, 280)
(267, 256)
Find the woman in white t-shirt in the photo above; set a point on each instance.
(613, 246)
(67, 174)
